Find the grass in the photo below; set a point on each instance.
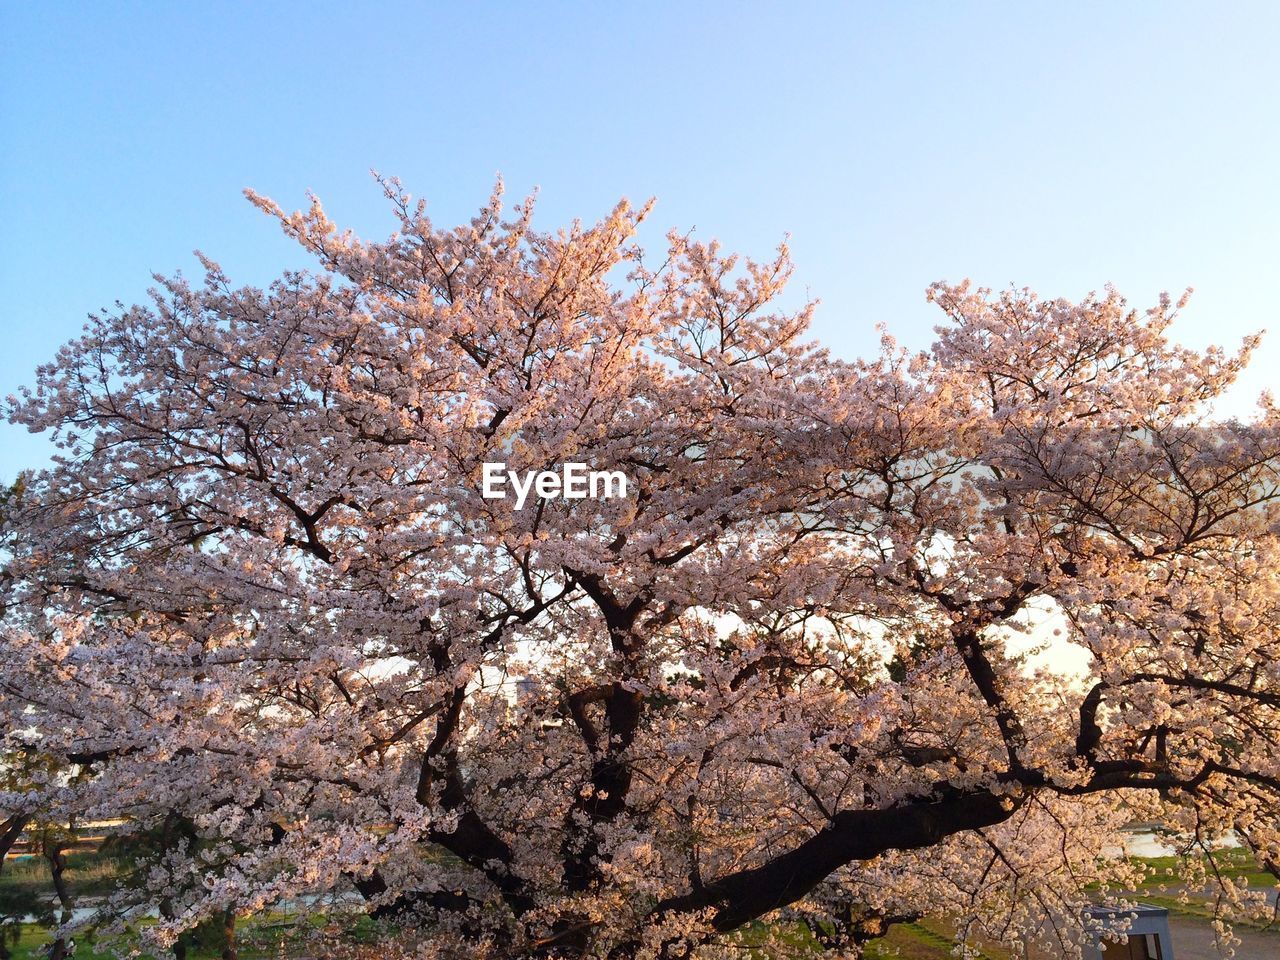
(913, 941)
(1161, 887)
(25, 885)
(926, 940)
(267, 938)
(1233, 862)
(89, 873)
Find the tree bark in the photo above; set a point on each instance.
(745, 895)
(229, 951)
(53, 852)
(10, 830)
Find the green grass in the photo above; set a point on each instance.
(914, 941)
(926, 940)
(25, 885)
(32, 942)
(261, 939)
(907, 943)
(88, 873)
(1235, 863)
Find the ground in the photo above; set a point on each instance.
(92, 873)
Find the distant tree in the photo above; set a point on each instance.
(17, 903)
(24, 775)
(787, 677)
(52, 841)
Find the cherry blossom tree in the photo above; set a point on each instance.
(796, 675)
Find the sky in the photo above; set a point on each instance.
(1059, 147)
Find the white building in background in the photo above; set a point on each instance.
(1146, 934)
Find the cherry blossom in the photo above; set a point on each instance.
(260, 598)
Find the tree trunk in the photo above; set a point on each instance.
(229, 951)
(53, 852)
(10, 830)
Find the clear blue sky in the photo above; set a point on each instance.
(1057, 146)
